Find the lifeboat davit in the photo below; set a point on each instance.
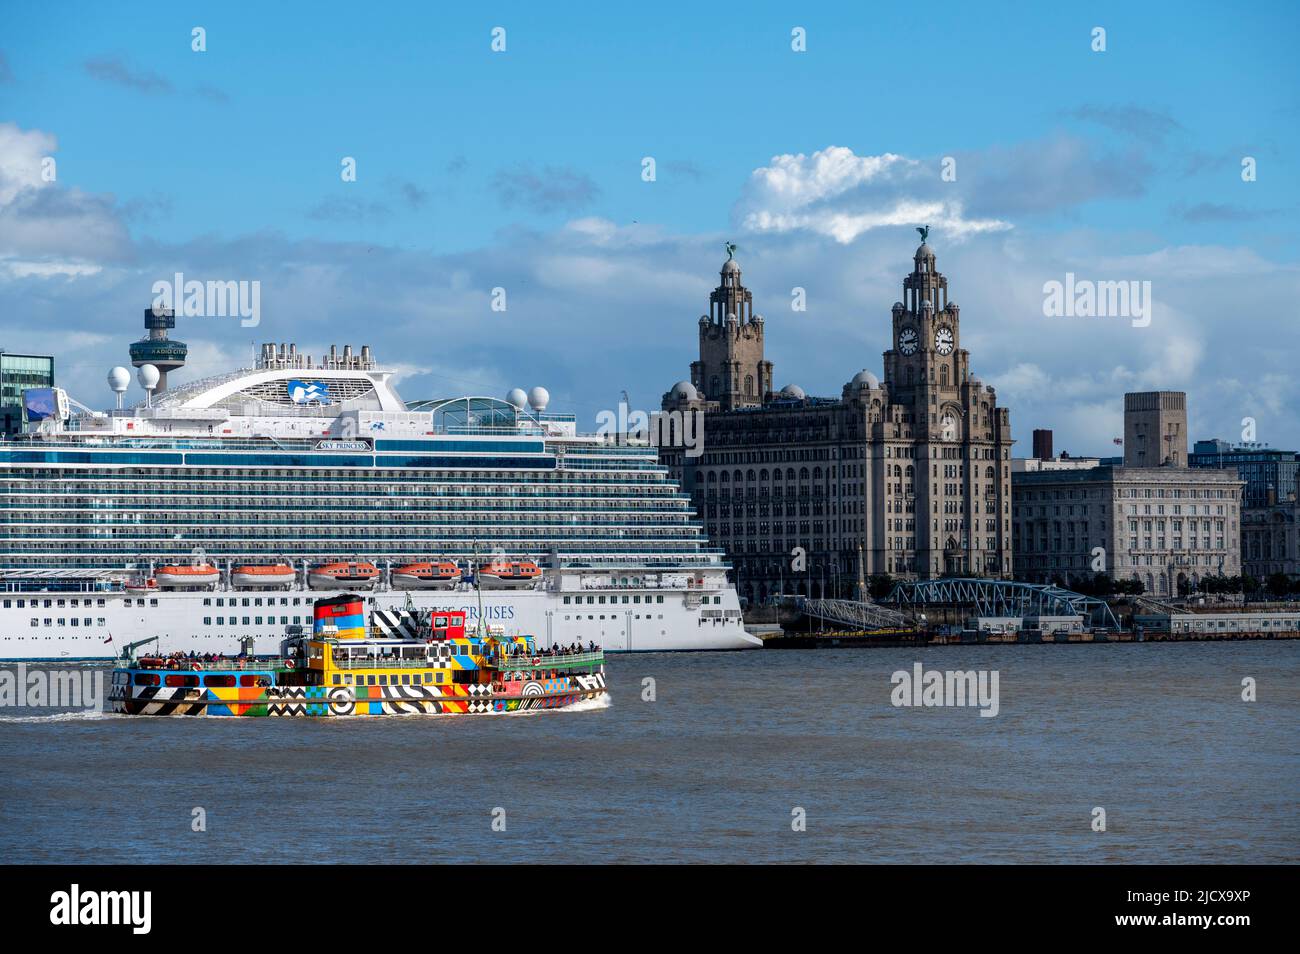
(259, 575)
(426, 576)
(343, 576)
(513, 573)
(197, 574)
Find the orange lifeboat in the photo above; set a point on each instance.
(263, 575)
(512, 573)
(177, 575)
(442, 575)
(343, 576)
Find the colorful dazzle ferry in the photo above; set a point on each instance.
(403, 662)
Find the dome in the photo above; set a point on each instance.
(517, 398)
(119, 379)
(865, 378)
(924, 252)
(685, 390)
(793, 391)
(539, 398)
(898, 306)
(148, 376)
(730, 265)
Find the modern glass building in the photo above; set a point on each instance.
(18, 372)
(1270, 474)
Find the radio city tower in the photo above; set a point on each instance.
(165, 354)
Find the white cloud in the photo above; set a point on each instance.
(841, 195)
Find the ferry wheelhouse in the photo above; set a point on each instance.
(403, 663)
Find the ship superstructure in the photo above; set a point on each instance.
(165, 518)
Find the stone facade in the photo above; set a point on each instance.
(1164, 526)
(1155, 429)
(1270, 538)
(908, 476)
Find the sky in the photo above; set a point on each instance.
(1167, 157)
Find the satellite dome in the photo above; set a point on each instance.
(538, 398)
(685, 390)
(119, 379)
(793, 391)
(865, 378)
(148, 376)
(517, 398)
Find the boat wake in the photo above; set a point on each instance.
(79, 715)
(590, 705)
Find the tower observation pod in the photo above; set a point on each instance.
(165, 354)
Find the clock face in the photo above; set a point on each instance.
(943, 340)
(907, 340)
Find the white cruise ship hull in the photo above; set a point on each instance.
(178, 618)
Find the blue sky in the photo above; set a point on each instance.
(522, 170)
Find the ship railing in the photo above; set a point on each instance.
(236, 664)
(534, 662)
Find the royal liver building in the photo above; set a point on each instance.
(909, 476)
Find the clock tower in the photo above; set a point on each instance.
(960, 439)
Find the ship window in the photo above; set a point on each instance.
(439, 677)
(146, 679)
(259, 619)
(99, 621)
(248, 680)
(176, 679)
(370, 680)
(566, 600)
(440, 622)
(659, 599)
(383, 680)
(636, 599)
(153, 602)
(338, 680)
(222, 680)
(207, 621)
(75, 621)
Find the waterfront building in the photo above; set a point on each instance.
(1270, 474)
(17, 373)
(1270, 537)
(1166, 526)
(908, 474)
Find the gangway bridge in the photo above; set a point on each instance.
(854, 614)
(1000, 598)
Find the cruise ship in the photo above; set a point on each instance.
(212, 515)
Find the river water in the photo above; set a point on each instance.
(735, 753)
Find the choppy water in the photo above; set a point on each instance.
(710, 771)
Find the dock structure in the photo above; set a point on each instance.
(855, 614)
(1001, 598)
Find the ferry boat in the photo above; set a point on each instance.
(427, 576)
(321, 463)
(402, 663)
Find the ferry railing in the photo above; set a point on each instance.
(185, 664)
(535, 662)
